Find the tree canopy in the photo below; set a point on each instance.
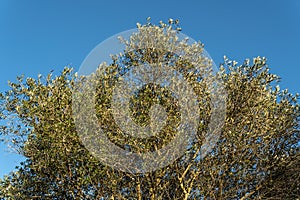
(256, 155)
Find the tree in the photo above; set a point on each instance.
(256, 154)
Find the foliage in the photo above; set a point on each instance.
(257, 154)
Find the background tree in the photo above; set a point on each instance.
(257, 154)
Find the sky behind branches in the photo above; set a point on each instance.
(39, 36)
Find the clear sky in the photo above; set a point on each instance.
(38, 36)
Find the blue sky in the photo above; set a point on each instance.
(40, 36)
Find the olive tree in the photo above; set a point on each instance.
(256, 154)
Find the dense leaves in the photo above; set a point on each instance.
(257, 155)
